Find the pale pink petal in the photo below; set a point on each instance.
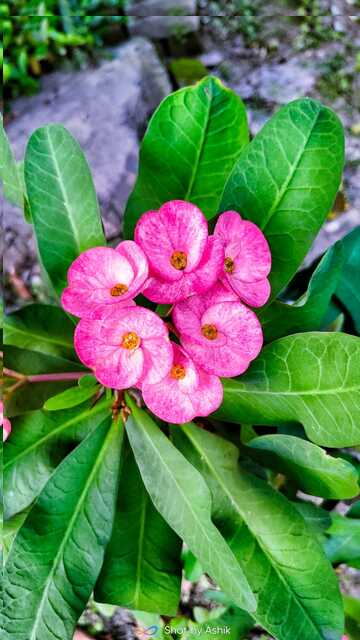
(198, 281)
(99, 345)
(181, 400)
(120, 368)
(91, 278)
(178, 226)
(255, 294)
(6, 429)
(246, 245)
(138, 261)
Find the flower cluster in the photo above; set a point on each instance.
(206, 279)
(5, 423)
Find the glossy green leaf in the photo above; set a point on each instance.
(343, 542)
(10, 529)
(142, 568)
(310, 378)
(352, 617)
(307, 465)
(57, 555)
(286, 181)
(69, 398)
(9, 174)
(181, 496)
(38, 443)
(298, 594)
(62, 199)
(42, 328)
(305, 314)
(189, 149)
(348, 290)
(233, 623)
(316, 518)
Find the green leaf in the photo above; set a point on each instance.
(9, 174)
(352, 617)
(192, 567)
(10, 529)
(62, 198)
(57, 555)
(189, 149)
(307, 465)
(348, 290)
(233, 623)
(286, 181)
(42, 328)
(307, 313)
(310, 378)
(142, 568)
(343, 543)
(298, 594)
(69, 398)
(182, 498)
(38, 443)
(317, 519)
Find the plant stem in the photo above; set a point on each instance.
(44, 377)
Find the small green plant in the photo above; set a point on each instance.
(38, 35)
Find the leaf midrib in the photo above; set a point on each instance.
(140, 551)
(234, 503)
(62, 188)
(93, 412)
(201, 145)
(290, 176)
(68, 531)
(203, 527)
(43, 336)
(316, 392)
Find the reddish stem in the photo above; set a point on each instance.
(44, 377)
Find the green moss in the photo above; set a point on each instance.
(187, 71)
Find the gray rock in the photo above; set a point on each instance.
(279, 82)
(106, 109)
(158, 19)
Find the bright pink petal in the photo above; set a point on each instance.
(138, 261)
(5, 423)
(187, 314)
(178, 226)
(120, 368)
(91, 278)
(181, 400)
(255, 294)
(198, 281)
(246, 245)
(157, 359)
(239, 335)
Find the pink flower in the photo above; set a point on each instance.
(105, 276)
(185, 392)
(219, 333)
(183, 259)
(6, 425)
(124, 346)
(247, 258)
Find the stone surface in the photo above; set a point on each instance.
(161, 19)
(106, 109)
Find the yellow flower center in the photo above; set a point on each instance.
(178, 372)
(119, 290)
(229, 265)
(130, 341)
(179, 260)
(209, 331)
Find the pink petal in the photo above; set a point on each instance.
(180, 400)
(91, 278)
(255, 294)
(239, 338)
(138, 261)
(177, 226)
(187, 314)
(198, 281)
(6, 429)
(98, 343)
(246, 245)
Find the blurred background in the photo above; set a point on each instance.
(101, 67)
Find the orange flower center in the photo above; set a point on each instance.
(209, 331)
(179, 260)
(229, 265)
(178, 372)
(119, 290)
(130, 341)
